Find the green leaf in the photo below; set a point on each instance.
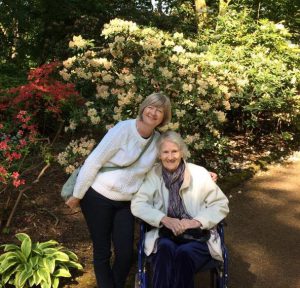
(49, 263)
(61, 256)
(11, 247)
(55, 282)
(26, 247)
(36, 277)
(62, 272)
(50, 251)
(19, 255)
(22, 277)
(74, 264)
(72, 255)
(7, 263)
(44, 274)
(7, 275)
(8, 255)
(45, 285)
(37, 251)
(21, 267)
(22, 236)
(34, 260)
(47, 244)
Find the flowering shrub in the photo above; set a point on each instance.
(43, 96)
(263, 56)
(138, 61)
(208, 80)
(16, 137)
(75, 153)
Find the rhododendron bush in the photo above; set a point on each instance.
(208, 80)
(137, 62)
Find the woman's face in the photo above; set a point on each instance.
(170, 155)
(153, 115)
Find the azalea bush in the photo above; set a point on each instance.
(44, 97)
(217, 82)
(40, 264)
(17, 136)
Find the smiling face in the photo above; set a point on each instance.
(152, 115)
(170, 155)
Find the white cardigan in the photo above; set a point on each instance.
(202, 198)
(119, 147)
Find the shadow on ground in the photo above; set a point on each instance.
(264, 230)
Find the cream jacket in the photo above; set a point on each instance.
(202, 198)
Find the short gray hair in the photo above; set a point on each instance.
(174, 138)
(157, 100)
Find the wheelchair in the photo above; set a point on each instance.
(218, 270)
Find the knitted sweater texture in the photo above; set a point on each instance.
(121, 146)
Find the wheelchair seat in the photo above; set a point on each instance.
(218, 270)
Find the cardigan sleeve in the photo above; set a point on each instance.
(105, 150)
(215, 206)
(144, 204)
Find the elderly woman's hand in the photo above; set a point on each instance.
(73, 202)
(190, 223)
(173, 224)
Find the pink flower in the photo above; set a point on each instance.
(3, 171)
(16, 155)
(22, 142)
(15, 175)
(3, 145)
(20, 132)
(18, 182)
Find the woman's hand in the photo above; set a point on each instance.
(173, 224)
(213, 176)
(73, 202)
(190, 223)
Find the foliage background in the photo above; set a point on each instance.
(231, 69)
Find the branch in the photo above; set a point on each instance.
(57, 133)
(41, 174)
(21, 193)
(15, 206)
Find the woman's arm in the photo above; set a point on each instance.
(143, 204)
(105, 150)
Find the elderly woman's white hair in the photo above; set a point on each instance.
(176, 139)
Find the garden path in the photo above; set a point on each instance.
(263, 232)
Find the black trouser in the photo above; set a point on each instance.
(109, 221)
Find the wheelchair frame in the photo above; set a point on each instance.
(219, 273)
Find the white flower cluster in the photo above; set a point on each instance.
(72, 125)
(118, 26)
(78, 42)
(75, 153)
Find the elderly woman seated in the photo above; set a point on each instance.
(183, 204)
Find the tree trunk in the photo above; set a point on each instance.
(201, 13)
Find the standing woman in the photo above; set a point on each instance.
(104, 194)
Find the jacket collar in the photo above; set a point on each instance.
(186, 178)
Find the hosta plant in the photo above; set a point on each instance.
(35, 264)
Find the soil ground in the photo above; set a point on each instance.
(262, 235)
